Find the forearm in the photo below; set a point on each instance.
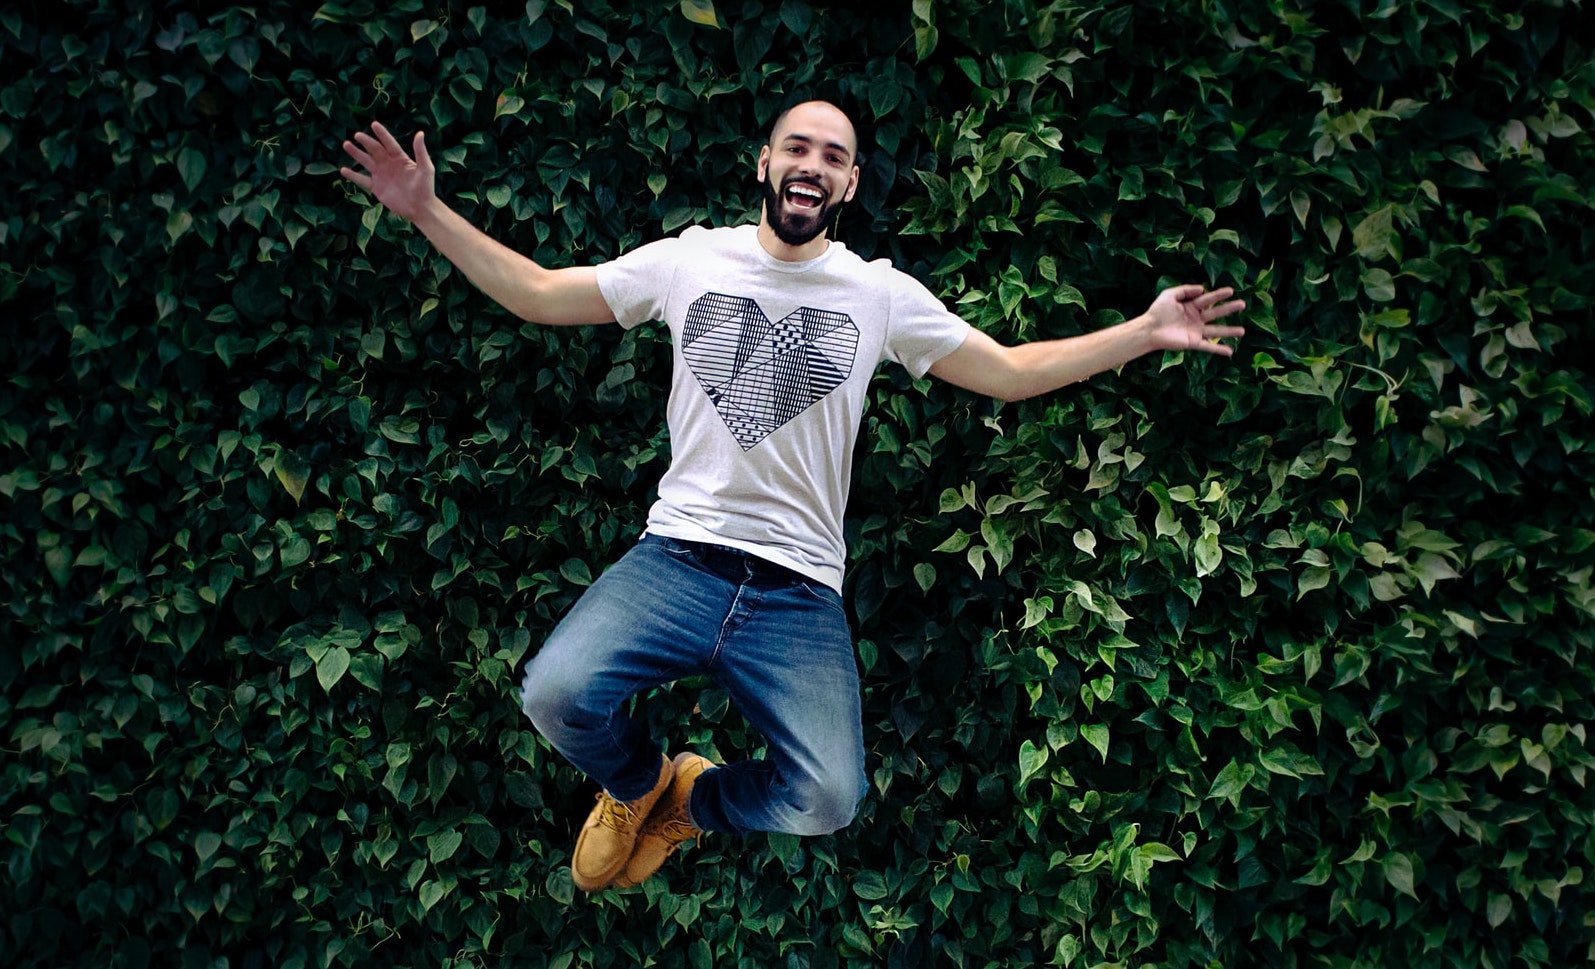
(512, 280)
(1044, 366)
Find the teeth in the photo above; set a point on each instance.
(812, 193)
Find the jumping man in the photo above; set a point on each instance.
(777, 329)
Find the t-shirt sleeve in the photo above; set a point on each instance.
(920, 330)
(637, 285)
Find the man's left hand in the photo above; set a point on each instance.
(1181, 318)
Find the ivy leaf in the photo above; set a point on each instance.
(559, 886)
(1208, 553)
(1375, 235)
(1231, 781)
(576, 572)
(1031, 760)
(1398, 872)
(292, 472)
(432, 892)
(700, 12)
(870, 886)
(331, 667)
(1096, 734)
(205, 845)
(191, 166)
(1086, 541)
(442, 846)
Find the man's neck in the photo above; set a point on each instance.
(787, 253)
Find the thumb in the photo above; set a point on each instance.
(419, 147)
(1187, 292)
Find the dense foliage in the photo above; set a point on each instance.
(1283, 660)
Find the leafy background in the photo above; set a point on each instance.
(1283, 660)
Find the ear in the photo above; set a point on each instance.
(764, 163)
(852, 185)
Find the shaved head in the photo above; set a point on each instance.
(803, 114)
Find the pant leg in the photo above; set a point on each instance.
(649, 619)
(790, 668)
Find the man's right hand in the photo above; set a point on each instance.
(401, 183)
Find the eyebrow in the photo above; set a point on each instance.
(805, 139)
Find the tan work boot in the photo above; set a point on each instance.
(610, 833)
(668, 826)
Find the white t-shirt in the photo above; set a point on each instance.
(772, 367)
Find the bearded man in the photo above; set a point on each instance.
(777, 329)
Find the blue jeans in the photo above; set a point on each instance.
(776, 642)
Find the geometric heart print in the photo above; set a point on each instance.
(759, 374)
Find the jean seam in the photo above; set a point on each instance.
(719, 641)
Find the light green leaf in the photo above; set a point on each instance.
(1398, 872)
(1096, 734)
(1499, 909)
(1314, 577)
(1379, 285)
(205, 844)
(331, 667)
(293, 472)
(1208, 553)
(432, 892)
(1288, 762)
(956, 542)
(442, 846)
(576, 572)
(1375, 235)
(1031, 760)
(700, 12)
(508, 104)
(1231, 781)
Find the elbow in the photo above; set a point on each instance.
(531, 301)
(1013, 380)
(1012, 395)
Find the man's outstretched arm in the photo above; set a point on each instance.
(1180, 319)
(532, 292)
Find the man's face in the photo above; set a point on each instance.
(808, 171)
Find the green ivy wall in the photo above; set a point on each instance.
(1284, 660)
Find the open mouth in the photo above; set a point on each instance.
(804, 196)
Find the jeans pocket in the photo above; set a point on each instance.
(820, 592)
(677, 549)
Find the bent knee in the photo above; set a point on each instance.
(827, 807)
(552, 702)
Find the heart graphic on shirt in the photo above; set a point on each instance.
(760, 374)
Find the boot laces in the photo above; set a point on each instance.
(675, 827)
(677, 831)
(615, 815)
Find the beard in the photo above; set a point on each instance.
(798, 228)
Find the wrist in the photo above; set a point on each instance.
(429, 214)
(1142, 333)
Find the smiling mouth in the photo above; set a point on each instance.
(803, 196)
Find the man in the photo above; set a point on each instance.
(776, 330)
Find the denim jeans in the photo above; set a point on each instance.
(776, 642)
